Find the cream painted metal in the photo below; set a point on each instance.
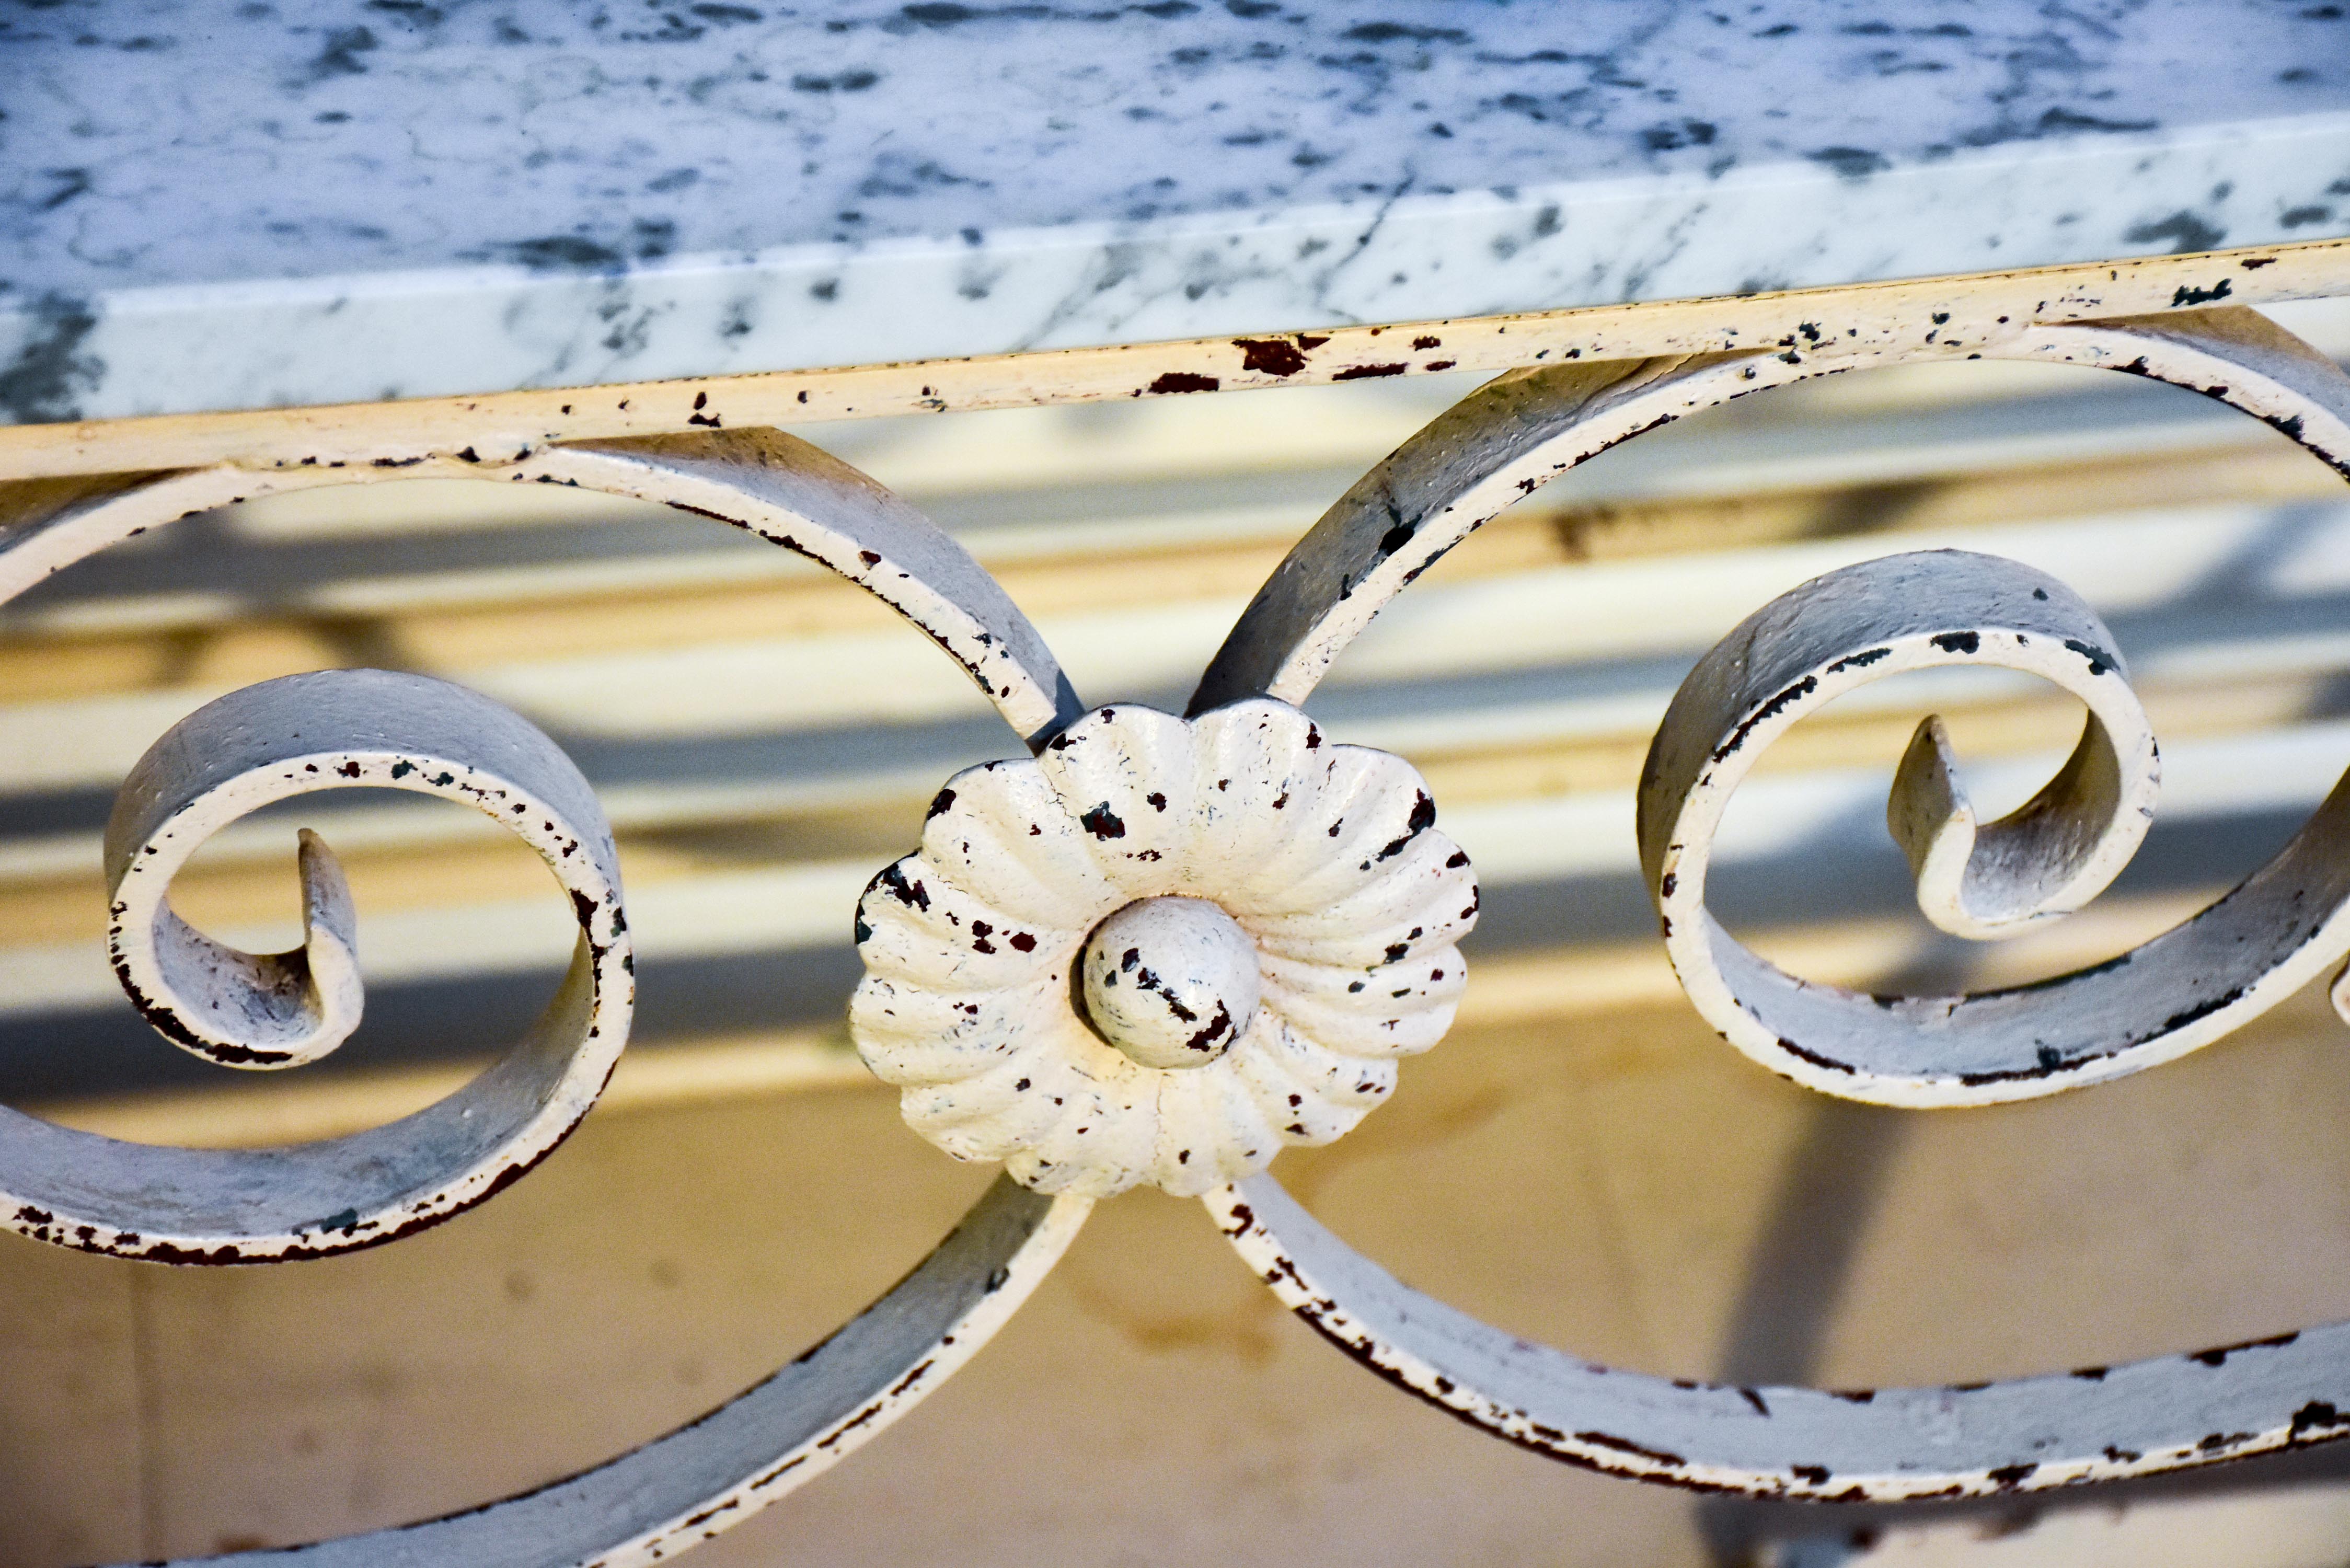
(1914, 315)
(2283, 928)
(340, 730)
(357, 728)
(1247, 856)
(1163, 949)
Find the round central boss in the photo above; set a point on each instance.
(1170, 981)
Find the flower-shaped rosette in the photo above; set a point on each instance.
(1269, 913)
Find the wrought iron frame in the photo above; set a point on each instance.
(1572, 386)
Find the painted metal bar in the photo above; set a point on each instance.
(1943, 313)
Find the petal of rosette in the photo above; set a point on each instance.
(1102, 1143)
(1255, 764)
(1425, 899)
(1124, 775)
(1000, 827)
(1212, 1130)
(909, 1035)
(1365, 805)
(1309, 1092)
(915, 925)
(1012, 1104)
(1393, 1010)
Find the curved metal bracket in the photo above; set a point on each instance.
(2277, 931)
(346, 728)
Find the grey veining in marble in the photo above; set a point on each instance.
(213, 207)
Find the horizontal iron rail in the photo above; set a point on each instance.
(1941, 315)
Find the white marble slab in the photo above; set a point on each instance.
(210, 207)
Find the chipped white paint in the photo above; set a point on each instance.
(1265, 921)
(344, 729)
(655, 1501)
(282, 739)
(1157, 968)
(1519, 431)
(2047, 859)
(2286, 925)
(1922, 316)
(347, 729)
(2052, 854)
(239, 1009)
(1165, 947)
(1851, 1445)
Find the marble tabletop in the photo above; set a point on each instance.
(208, 206)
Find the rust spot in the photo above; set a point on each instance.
(861, 1419)
(911, 894)
(1622, 1444)
(1184, 382)
(1422, 818)
(2099, 659)
(1813, 1057)
(1205, 1038)
(2316, 1416)
(169, 1252)
(1792, 694)
(1276, 356)
(2218, 1355)
(2187, 294)
(795, 1461)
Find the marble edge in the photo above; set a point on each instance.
(305, 342)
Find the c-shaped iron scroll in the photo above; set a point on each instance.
(2274, 934)
(347, 729)
(2048, 857)
(339, 728)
